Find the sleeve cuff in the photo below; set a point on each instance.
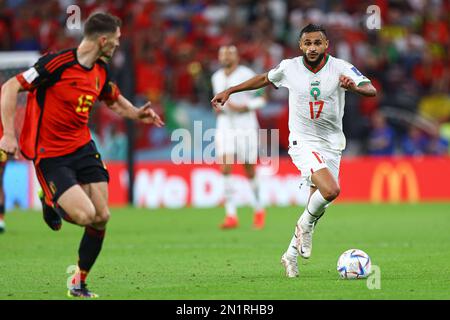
(363, 82)
(23, 82)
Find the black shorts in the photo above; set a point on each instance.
(56, 175)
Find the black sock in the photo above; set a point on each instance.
(90, 247)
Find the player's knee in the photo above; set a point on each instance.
(86, 220)
(84, 215)
(104, 216)
(331, 193)
(82, 220)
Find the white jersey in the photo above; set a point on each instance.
(236, 132)
(316, 100)
(221, 82)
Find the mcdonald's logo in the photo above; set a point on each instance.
(394, 176)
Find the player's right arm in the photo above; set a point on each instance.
(276, 76)
(27, 80)
(8, 102)
(258, 81)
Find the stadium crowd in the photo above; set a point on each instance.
(169, 51)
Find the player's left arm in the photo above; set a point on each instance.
(111, 95)
(123, 107)
(365, 88)
(353, 80)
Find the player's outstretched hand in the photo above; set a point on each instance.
(9, 146)
(347, 83)
(148, 115)
(219, 100)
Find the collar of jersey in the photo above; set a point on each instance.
(319, 67)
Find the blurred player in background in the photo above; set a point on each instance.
(317, 83)
(62, 90)
(237, 133)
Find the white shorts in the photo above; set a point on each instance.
(238, 138)
(310, 158)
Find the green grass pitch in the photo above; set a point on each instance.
(182, 254)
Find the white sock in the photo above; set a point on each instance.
(314, 210)
(292, 249)
(230, 206)
(254, 183)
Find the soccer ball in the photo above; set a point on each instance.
(354, 264)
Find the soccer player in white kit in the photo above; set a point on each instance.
(317, 83)
(237, 133)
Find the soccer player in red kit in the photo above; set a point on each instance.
(62, 90)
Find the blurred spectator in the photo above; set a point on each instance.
(435, 27)
(48, 24)
(370, 105)
(430, 71)
(415, 142)
(437, 145)
(6, 16)
(150, 75)
(381, 138)
(436, 107)
(27, 40)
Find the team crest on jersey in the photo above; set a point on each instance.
(315, 93)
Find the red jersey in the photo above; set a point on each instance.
(61, 95)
